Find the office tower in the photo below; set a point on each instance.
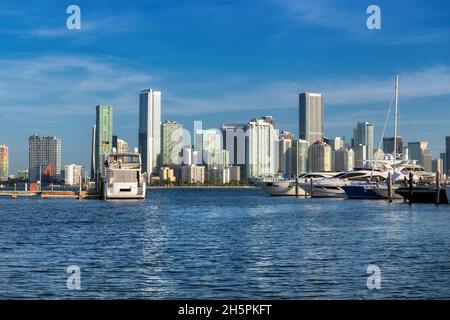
(285, 153)
(319, 157)
(438, 166)
(171, 142)
(44, 158)
(388, 145)
(93, 157)
(233, 140)
(103, 135)
(447, 154)
(4, 161)
(420, 151)
(150, 130)
(360, 156)
(405, 153)
(311, 111)
(261, 148)
(363, 135)
(442, 156)
(299, 153)
(187, 156)
(72, 174)
(344, 160)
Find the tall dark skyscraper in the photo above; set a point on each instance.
(447, 153)
(388, 145)
(311, 108)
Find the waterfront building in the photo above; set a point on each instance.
(363, 135)
(311, 112)
(299, 153)
(150, 130)
(4, 161)
(319, 157)
(103, 135)
(285, 153)
(193, 174)
(187, 155)
(344, 160)
(388, 145)
(235, 173)
(208, 144)
(360, 156)
(261, 148)
(218, 176)
(44, 158)
(420, 151)
(72, 174)
(171, 142)
(167, 175)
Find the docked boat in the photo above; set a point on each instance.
(331, 187)
(122, 176)
(287, 187)
(424, 194)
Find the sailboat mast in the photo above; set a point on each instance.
(396, 119)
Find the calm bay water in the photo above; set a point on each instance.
(223, 244)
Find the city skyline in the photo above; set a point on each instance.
(219, 76)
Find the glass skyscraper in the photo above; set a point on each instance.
(103, 135)
(311, 117)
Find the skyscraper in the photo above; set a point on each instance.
(44, 158)
(311, 109)
(363, 135)
(120, 145)
(447, 154)
(234, 139)
(284, 153)
(388, 145)
(299, 153)
(150, 130)
(319, 157)
(344, 160)
(93, 157)
(4, 161)
(261, 148)
(171, 138)
(420, 151)
(103, 135)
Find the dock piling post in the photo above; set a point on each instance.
(389, 187)
(438, 187)
(410, 187)
(296, 186)
(312, 186)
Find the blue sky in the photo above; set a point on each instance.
(220, 61)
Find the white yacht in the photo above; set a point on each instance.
(122, 176)
(331, 187)
(287, 187)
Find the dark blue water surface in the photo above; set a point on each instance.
(223, 244)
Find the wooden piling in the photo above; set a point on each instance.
(312, 186)
(410, 187)
(438, 187)
(389, 186)
(296, 186)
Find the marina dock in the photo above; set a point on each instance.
(53, 194)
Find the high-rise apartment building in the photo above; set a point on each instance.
(4, 161)
(319, 157)
(103, 135)
(150, 130)
(171, 140)
(44, 158)
(363, 135)
(299, 153)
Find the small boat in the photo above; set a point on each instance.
(287, 187)
(122, 176)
